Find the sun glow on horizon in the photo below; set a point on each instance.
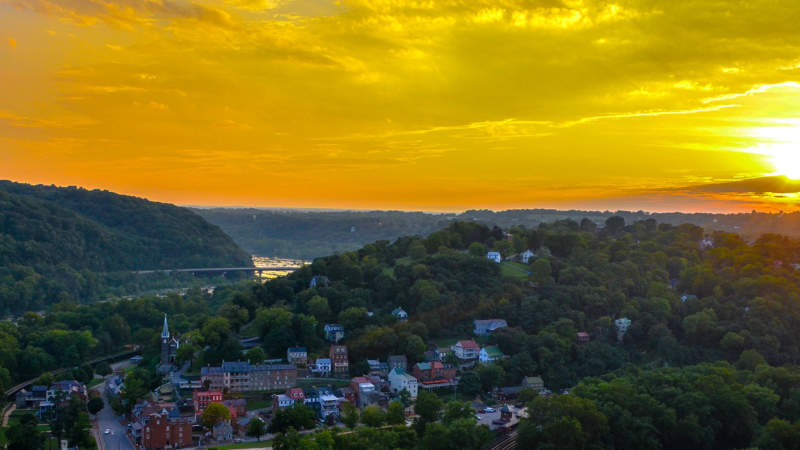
(782, 146)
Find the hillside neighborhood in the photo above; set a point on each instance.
(176, 414)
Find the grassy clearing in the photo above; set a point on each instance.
(262, 444)
(446, 342)
(514, 270)
(258, 404)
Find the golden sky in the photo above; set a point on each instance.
(408, 104)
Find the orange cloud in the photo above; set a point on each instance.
(404, 103)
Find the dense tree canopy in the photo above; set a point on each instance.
(61, 244)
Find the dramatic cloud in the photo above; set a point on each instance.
(405, 103)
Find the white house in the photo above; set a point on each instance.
(282, 401)
(399, 379)
(490, 353)
(323, 367)
(495, 256)
(334, 332)
(466, 349)
(400, 313)
(527, 255)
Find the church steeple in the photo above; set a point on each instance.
(165, 331)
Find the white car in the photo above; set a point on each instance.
(490, 410)
(107, 431)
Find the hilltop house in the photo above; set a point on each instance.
(297, 356)
(535, 383)
(334, 332)
(400, 380)
(319, 280)
(527, 255)
(486, 327)
(467, 349)
(490, 353)
(400, 314)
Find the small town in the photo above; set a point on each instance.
(243, 401)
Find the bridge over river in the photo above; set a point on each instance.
(223, 270)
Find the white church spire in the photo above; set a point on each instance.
(165, 331)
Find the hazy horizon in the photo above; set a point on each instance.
(401, 104)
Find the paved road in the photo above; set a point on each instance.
(117, 439)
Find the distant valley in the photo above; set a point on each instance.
(307, 234)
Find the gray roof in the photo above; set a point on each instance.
(244, 367)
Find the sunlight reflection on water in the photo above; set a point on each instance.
(271, 261)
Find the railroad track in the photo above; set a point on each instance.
(509, 443)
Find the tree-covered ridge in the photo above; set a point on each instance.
(310, 234)
(61, 243)
(687, 303)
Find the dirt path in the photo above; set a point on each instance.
(7, 414)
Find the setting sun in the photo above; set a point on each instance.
(787, 161)
(781, 146)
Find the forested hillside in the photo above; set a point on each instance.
(308, 235)
(709, 360)
(311, 234)
(692, 298)
(66, 243)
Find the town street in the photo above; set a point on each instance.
(106, 419)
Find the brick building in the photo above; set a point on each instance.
(241, 376)
(161, 431)
(201, 399)
(340, 365)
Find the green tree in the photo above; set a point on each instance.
(373, 416)
(256, 428)
(256, 355)
(541, 271)
(457, 410)
(319, 308)
(349, 415)
(395, 413)
(428, 406)
(95, 405)
(298, 417)
(102, 368)
(24, 435)
(477, 249)
(214, 414)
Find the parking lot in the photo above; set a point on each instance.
(488, 417)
